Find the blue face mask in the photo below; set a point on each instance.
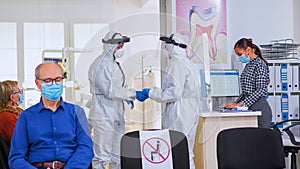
(244, 59)
(52, 92)
(21, 96)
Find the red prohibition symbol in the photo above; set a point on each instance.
(156, 150)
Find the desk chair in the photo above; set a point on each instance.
(3, 154)
(290, 138)
(250, 148)
(131, 150)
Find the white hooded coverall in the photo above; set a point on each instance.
(181, 93)
(106, 115)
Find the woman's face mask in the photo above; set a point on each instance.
(241, 53)
(244, 59)
(21, 97)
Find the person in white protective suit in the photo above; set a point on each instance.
(180, 91)
(106, 115)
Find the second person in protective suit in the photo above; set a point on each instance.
(106, 115)
(180, 91)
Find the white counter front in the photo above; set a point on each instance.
(209, 126)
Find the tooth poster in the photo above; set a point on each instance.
(195, 18)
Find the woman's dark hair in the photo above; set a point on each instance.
(244, 43)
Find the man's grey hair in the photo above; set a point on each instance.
(38, 68)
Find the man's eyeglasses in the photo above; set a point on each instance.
(20, 91)
(50, 81)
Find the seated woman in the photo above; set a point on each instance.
(11, 96)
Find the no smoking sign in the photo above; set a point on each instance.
(156, 150)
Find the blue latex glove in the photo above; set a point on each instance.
(146, 91)
(131, 103)
(141, 96)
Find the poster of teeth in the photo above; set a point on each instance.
(198, 18)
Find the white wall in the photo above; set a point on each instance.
(261, 20)
(138, 19)
(73, 9)
(297, 22)
(125, 16)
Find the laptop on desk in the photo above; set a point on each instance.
(223, 110)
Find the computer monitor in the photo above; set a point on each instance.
(224, 83)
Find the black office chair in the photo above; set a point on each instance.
(131, 150)
(291, 138)
(3, 154)
(250, 148)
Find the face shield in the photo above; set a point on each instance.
(171, 41)
(174, 45)
(112, 42)
(165, 49)
(116, 38)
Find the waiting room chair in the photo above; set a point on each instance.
(3, 154)
(131, 150)
(290, 137)
(250, 148)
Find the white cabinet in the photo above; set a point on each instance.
(283, 89)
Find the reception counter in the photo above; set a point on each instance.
(210, 124)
